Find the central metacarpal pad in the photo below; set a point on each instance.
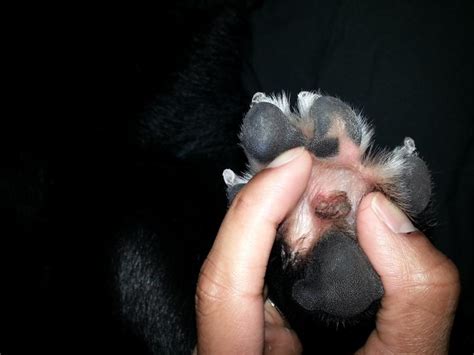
(329, 272)
(329, 286)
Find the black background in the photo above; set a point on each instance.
(76, 166)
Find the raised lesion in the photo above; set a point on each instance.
(334, 205)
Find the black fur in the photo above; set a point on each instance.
(107, 218)
(193, 125)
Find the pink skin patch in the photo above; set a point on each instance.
(331, 199)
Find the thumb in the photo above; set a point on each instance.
(421, 284)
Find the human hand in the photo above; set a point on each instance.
(421, 285)
(232, 315)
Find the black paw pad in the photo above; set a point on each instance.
(338, 279)
(417, 184)
(329, 112)
(267, 132)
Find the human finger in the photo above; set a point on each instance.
(229, 302)
(421, 284)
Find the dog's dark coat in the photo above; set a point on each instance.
(112, 217)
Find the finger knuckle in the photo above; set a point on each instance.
(243, 201)
(212, 291)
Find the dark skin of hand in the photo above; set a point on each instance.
(421, 284)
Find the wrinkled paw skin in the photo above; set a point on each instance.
(321, 267)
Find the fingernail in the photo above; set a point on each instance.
(275, 317)
(286, 157)
(391, 215)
